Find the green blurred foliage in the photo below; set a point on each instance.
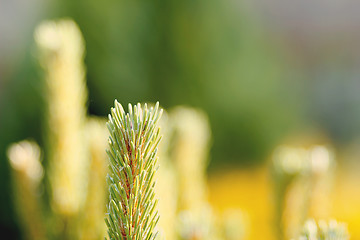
(209, 54)
(21, 108)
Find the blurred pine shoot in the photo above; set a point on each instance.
(166, 185)
(288, 163)
(302, 179)
(191, 138)
(27, 174)
(331, 230)
(190, 155)
(61, 52)
(92, 225)
(133, 142)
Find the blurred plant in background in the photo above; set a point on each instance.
(190, 140)
(302, 181)
(61, 50)
(166, 187)
(323, 230)
(27, 174)
(190, 148)
(92, 225)
(76, 169)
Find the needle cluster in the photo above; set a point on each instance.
(133, 143)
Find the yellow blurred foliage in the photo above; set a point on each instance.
(251, 190)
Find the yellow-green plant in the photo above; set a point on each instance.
(324, 230)
(92, 225)
(133, 142)
(190, 155)
(166, 187)
(322, 171)
(61, 51)
(27, 174)
(288, 164)
(189, 152)
(301, 178)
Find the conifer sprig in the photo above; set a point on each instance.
(133, 142)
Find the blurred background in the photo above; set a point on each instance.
(265, 73)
